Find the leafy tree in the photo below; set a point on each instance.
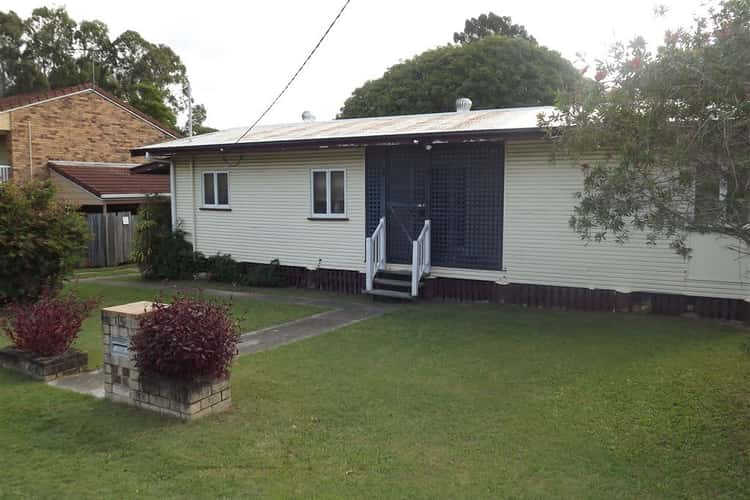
(50, 50)
(490, 24)
(199, 118)
(495, 72)
(16, 68)
(674, 129)
(151, 100)
(51, 33)
(41, 240)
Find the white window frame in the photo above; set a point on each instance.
(327, 214)
(216, 203)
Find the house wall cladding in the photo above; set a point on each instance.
(540, 248)
(78, 127)
(270, 201)
(270, 206)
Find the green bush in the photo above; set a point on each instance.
(160, 252)
(269, 275)
(41, 240)
(165, 254)
(223, 268)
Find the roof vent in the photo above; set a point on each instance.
(463, 104)
(308, 116)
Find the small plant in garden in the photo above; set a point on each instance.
(190, 339)
(159, 251)
(41, 240)
(223, 268)
(48, 326)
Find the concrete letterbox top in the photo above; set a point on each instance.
(131, 309)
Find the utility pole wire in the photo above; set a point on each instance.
(299, 70)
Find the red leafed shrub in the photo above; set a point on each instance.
(48, 326)
(188, 340)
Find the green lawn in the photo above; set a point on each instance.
(252, 314)
(98, 272)
(431, 401)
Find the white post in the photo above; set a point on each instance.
(381, 264)
(368, 264)
(190, 110)
(428, 247)
(414, 269)
(173, 195)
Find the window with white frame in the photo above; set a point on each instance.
(329, 193)
(216, 189)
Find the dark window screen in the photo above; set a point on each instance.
(319, 193)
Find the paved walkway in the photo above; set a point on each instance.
(341, 312)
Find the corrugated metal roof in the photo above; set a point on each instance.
(515, 119)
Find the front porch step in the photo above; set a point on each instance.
(390, 294)
(404, 283)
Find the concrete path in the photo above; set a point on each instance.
(342, 312)
(91, 383)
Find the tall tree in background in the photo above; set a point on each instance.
(502, 67)
(675, 126)
(50, 50)
(490, 24)
(199, 118)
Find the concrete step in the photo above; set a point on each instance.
(392, 282)
(395, 275)
(391, 294)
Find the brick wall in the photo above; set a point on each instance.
(79, 127)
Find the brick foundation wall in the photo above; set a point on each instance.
(79, 127)
(580, 299)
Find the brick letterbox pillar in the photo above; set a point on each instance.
(119, 324)
(123, 383)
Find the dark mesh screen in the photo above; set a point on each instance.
(461, 190)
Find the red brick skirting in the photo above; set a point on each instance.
(558, 297)
(584, 299)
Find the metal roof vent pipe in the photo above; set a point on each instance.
(308, 116)
(463, 104)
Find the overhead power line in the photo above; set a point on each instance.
(299, 70)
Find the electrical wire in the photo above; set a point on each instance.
(299, 70)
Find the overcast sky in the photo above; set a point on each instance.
(240, 54)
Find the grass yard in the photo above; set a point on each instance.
(252, 314)
(100, 272)
(431, 401)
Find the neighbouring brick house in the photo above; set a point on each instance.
(80, 137)
(82, 123)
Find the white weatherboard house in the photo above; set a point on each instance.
(469, 202)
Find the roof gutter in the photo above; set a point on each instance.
(344, 142)
(130, 195)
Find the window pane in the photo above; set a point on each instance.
(337, 192)
(208, 189)
(319, 193)
(222, 181)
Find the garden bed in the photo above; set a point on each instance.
(44, 367)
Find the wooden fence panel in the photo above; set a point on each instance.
(111, 238)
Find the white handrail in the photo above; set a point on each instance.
(375, 253)
(4, 173)
(421, 260)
